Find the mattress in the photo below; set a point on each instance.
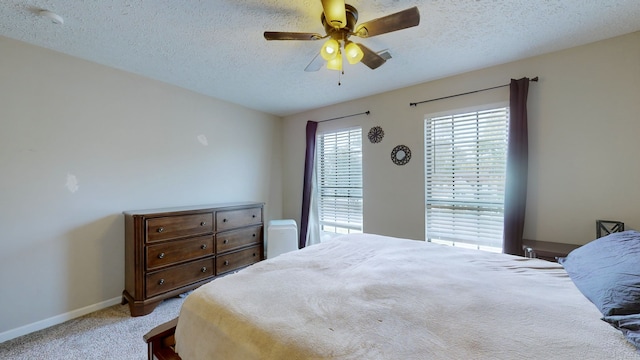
(376, 297)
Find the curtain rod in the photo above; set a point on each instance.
(467, 93)
(346, 116)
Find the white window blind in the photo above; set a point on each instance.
(465, 172)
(339, 177)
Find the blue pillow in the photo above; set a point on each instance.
(629, 325)
(607, 272)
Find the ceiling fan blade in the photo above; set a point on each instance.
(386, 24)
(316, 64)
(335, 13)
(371, 58)
(280, 35)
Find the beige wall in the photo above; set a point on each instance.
(80, 143)
(133, 143)
(584, 131)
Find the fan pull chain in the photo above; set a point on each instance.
(340, 73)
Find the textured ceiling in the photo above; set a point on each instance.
(216, 47)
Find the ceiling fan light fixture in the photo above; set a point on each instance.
(335, 63)
(340, 22)
(330, 49)
(353, 53)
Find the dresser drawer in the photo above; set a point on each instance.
(165, 228)
(238, 259)
(178, 251)
(231, 240)
(178, 276)
(231, 219)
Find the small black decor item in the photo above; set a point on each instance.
(606, 227)
(400, 155)
(376, 134)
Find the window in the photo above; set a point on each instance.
(339, 182)
(465, 171)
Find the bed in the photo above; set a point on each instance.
(376, 297)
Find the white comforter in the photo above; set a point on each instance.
(375, 297)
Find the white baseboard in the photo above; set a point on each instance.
(58, 319)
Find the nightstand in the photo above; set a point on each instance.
(545, 250)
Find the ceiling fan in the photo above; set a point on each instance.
(339, 21)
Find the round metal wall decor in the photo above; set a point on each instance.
(376, 134)
(400, 155)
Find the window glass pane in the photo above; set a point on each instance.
(339, 176)
(465, 170)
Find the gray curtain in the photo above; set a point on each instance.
(309, 163)
(515, 199)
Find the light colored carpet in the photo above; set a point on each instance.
(110, 333)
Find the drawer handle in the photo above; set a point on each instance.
(254, 235)
(224, 220)
(253, 216)
(225, 241)
(161, 282)
(226, 262)
(254, 254)
(203, 223)
(204, 246)
(161, 256)
(160, 229)
(204, 269)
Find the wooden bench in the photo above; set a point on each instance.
(161, 341)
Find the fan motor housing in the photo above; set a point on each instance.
(347, 30)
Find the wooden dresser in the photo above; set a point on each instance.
(171, 251)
